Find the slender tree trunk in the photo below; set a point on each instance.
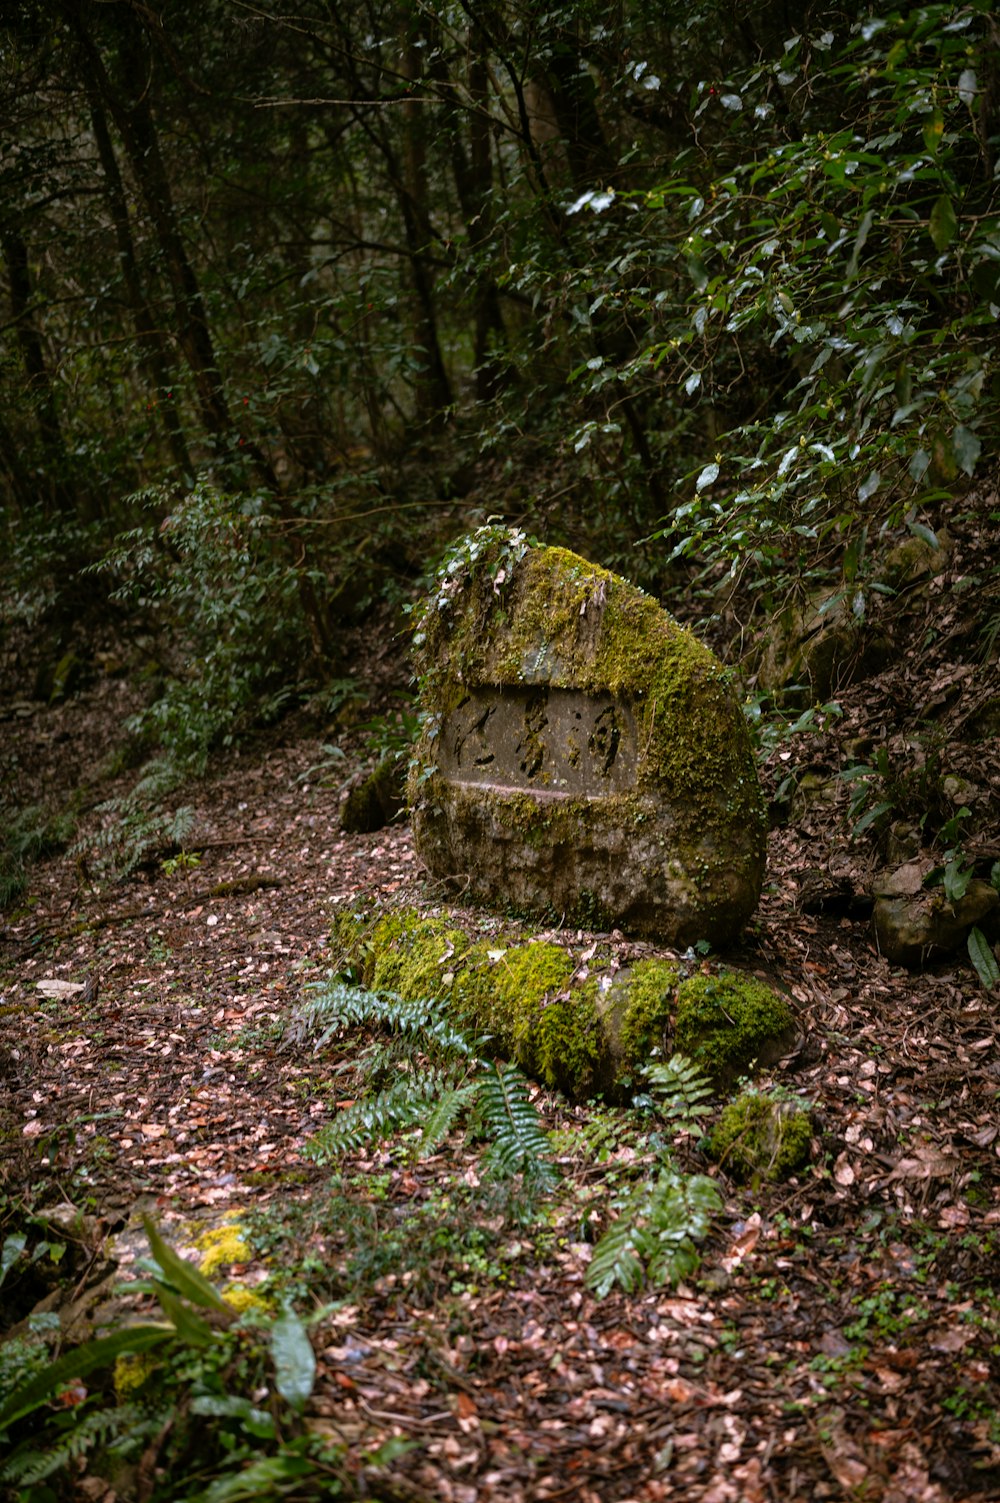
(153, 346)
(55, 490)
(434, 392)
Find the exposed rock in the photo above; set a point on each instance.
(375, 802)
(581, 753)
(577, 1024)
(915, 560)
(818, 648)
(916, 924)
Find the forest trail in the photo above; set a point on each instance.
(842, 1338)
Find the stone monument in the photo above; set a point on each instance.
(581, 755)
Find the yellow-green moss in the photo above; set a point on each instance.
(222, 1245)
(412, 955)
(132, 1372)
(729, 1022)
(586, 1036)
(757, 1135)
(645, 1019)
(241, 1299)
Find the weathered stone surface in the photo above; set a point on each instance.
(581, 753)
(815, 649)
(376, 801)
(915, 925)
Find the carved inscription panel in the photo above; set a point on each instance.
(542, 740)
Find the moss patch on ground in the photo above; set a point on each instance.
(729, 1022)
(758, 1135)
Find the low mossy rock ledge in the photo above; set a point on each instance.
(581, 754)
(569, 1017)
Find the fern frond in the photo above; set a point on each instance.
(616, 1259)
(332, 1006)
(680, 1211)
(683, 1090)
(335, 1005)
(658, 1225)
(29, 1466)
(401, 1105)
(520, 1144)
(444, 1114)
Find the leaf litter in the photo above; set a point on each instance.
(843, 1338)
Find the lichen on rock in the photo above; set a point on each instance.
(581, 753)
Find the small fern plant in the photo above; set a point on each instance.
(654, 1237)
(443, 1080)
(136, 826)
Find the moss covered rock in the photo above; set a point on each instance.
(580, 1026)
(581, 753)
(760, 1136)
(729, 1023)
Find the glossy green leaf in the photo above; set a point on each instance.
(186, 1279)
(967, 448)
(191, 1327)
(943, 223)
(294, 1360)
(983, 959)
(13, 1247)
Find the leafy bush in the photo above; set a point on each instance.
(181, 1395)
(213, 567)
(824, 286)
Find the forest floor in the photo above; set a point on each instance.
(842, 1339)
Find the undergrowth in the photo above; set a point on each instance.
(443, 1082)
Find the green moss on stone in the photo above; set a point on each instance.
(512, 617)
(647, 1008)
(730, 1022)
(414, 956)
(757, 1135)
(570, 623)
(574, 1032)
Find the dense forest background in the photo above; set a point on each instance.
(292, 295)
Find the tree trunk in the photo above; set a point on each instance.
(55, 489)
(153, 346)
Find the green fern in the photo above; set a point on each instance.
(519, 1143)
(458, 1082)
(683, 1090)
(655, 1234)
(100, 1428)
(444, 1114)
(617, 1257)
(132, 832)
(403, 1105)
(334, 1006)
